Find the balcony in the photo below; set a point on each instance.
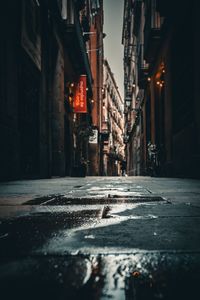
(152, 31)
(105, 130)
(152, 40)
(143, 75)
(137, 4)
(75, 45)
(143, 69)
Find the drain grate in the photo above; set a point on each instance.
(114, 199)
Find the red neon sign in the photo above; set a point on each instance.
(80, 97)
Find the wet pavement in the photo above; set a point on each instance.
(100, 238)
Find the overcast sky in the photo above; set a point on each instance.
(113, 49)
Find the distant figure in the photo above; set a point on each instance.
(123, 168)
(153, 159)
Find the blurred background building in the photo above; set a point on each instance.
(112, 126)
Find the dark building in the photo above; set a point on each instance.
(165, 50)
(43, 54)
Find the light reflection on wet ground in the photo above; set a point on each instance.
(119, 198)
(105, 225)
(100, 242)
(140, 276)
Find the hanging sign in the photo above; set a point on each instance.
(93, 139)
(80, 97)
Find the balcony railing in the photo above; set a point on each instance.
(152, 30)
(75, 45)
(143, 68)
(137, 15)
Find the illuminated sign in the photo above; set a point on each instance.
(80, 97)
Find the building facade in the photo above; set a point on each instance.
(164, 47)
(112, 126)
(43, 56)
(95, 51)
(133, 91)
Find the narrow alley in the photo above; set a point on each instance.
(100, 150)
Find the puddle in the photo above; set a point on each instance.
(111, 199)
